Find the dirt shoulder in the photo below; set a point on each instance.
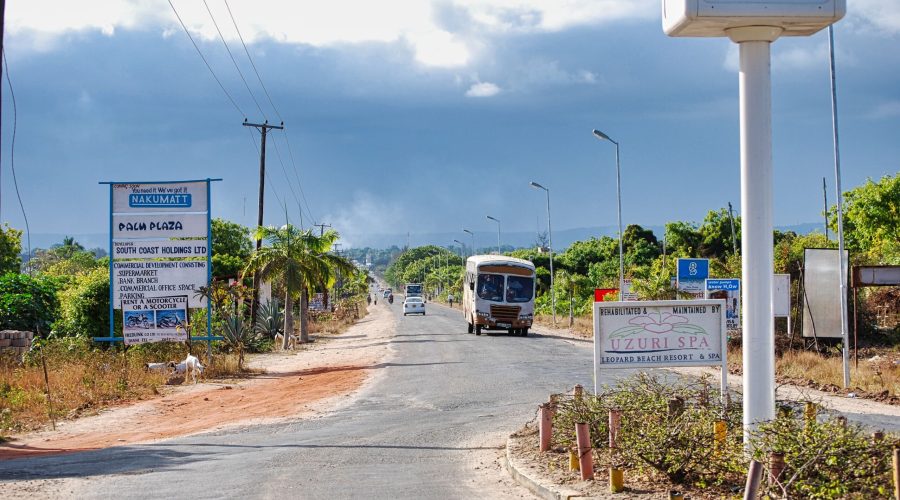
(295, 384)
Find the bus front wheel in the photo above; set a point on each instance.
(471, 328)
(477, 329)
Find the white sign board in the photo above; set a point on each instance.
(821, 292)
(145, 279)
(664, 333)
(160, 226)
(781, 296)
(155, 319)
(627, 294)
(730, 291)
(161, 197)
(159, 249)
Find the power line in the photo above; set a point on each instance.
(213, 73)
(12, 156)
(241, 37)
(299, 183)
(272, 103)
(233, 60)
(284, 171)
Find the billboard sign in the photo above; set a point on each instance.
(154, 319)
(664, 333)
(691, 276)
(160, 248)
(821, 292)
(728, 290)
(601, 293)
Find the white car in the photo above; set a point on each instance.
(414, 305)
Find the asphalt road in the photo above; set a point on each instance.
(431, 425)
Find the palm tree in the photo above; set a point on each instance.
(301, 260)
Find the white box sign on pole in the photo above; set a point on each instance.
(161, 197)
(156, 319)
(781, 296)
(144, 279)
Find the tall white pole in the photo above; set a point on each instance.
(756, 227)
(845, 334)
(621, 234)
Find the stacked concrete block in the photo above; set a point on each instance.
(15, 341)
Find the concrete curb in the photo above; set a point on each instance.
(538, 488)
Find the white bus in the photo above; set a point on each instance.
(414, 290)
(498, 294)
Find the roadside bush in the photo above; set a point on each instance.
(677, 444)
(828, 459)
(27, 303)
(667, 432)
(84, 307)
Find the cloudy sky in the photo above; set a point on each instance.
(425, 115)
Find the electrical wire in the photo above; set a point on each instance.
(284, 171)
(12, 159)
(275, 108)
(241, 37)
(213, 73)
(240, 73)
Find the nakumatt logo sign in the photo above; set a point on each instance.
(157, 200)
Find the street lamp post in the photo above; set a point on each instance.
(600, 135)
(473, 240)
(550, 243)
(498, 231)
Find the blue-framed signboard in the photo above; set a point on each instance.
(160, 247)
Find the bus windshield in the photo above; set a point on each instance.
(490, 287)
(414, 289)
(519, 289)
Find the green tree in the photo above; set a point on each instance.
(872, 219)
(715, 233)
(10, 250)
(27, 303)
(301, 260)
(581, 254)
(84, 306)
(682, 239)
(231, 247)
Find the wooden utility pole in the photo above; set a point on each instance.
(322, 228)
(263, 129)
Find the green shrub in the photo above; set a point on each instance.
(84, 307)
(27, 303)
(824, 460)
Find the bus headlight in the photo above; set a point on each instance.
(526, 316)
(482, 314)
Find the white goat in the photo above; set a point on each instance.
(293, 340)
(160, 367)
(190, 366)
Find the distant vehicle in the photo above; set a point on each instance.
(414, 305)
(414, 289)
(498, 294)
(386, 293)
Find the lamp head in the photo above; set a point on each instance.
(493, 219)
(600, 135)
(538, 186)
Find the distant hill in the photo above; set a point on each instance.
(487, 239)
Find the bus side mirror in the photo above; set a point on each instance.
(471, 285)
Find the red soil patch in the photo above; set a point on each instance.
(267, 397)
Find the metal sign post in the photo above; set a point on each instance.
(754, 25)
